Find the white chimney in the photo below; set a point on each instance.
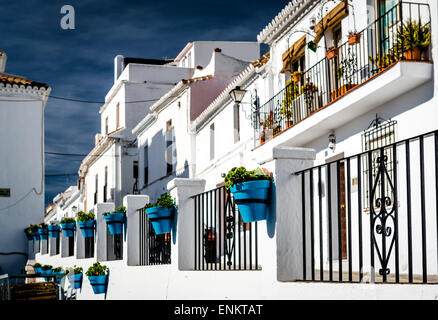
(3, 58)
(118, 67)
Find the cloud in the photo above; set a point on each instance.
(79, 63)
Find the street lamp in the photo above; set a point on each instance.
(237, 94)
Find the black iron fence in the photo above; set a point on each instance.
(154, 248)
(369, 53)
(222, 240)
(390, 235)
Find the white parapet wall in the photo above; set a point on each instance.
(178, 280)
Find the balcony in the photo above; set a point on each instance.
(375, 67)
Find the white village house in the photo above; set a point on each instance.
(22, 103)
(346, 123)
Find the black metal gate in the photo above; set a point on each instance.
(222, 240)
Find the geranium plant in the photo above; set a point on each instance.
(46, 267)
(118, 210)
(97, 270)
(57, 269)
(165, 200)
(82, 216)
(32, 228)
(73, 270)
(240, 174)
(42, 225)
(68, 220)
(37, 265)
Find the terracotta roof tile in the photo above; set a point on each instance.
(11, 79)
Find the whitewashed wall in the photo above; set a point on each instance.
(22, 160)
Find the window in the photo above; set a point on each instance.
(169, 145)
(146, 165)
(117, 115)
(380, 134)
(105, 187)
(212, 141)
(135, 176)
(96, 188)
(236, 123)
(89, 247)
(106, 125)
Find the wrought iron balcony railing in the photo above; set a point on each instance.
(373, 50)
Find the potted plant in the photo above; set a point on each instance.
(68, 226)
(292, 92)
(43, 231)
(161, 213)
(296, 76)
(74, 276)
(46, 269)
(413, 38)
(33, 230)
(53, 230)
(37, 268)
(58, 271)
(98, 276)
(28, 233)
(86, 223)
(115, 220)
(250, 190)
(353, 38)
(332, 52)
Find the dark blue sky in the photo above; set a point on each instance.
(78, 63)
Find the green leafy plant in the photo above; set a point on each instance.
(413, 34)
(57, 269)
(97, 270)
(165, 200)
(82, 216)
(68, 220)
(42, 225)
(73, 270)
(37, 265)
(118, 210)
(292, 91)
(32, 228)
(46, 267)
(309, 87)
(240, 174)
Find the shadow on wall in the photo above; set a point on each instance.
(271, 217)
(160, 172)
(404, 103)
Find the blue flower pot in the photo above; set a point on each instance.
(59, 273)
(252, 199)
(53, 231)
(68, 229)
(76, 280)
(98, 283)
(87, 228)
(161, 219)
(37, 270)
(46, 272)
(28, 235)
(35, 236)
(44, 234)
(115, 222)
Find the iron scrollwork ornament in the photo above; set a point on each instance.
(383, 214)
(230, 208)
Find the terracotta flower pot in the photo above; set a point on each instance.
(354, 38)
(342, 90)
(296, 78)
(413, 54)
(331, 53)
